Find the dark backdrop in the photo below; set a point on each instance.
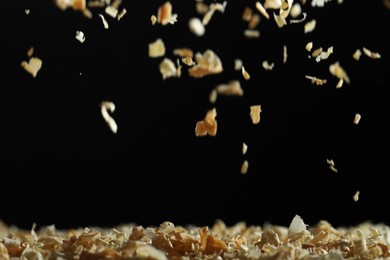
(60, 163)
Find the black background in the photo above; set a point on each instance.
(60, 163)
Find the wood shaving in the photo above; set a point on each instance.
(296, 10)
(321, 242)
(33, 66)
(208, 126)
(244, 148)
(340, 83)
(111, 11)
(356, 55)
(356, 196)
(153, 19)
(244, 167)
(105, 24)
(121, 14)
(247, 14)
(337, 71)
(357, 118)
(188, 61)
(206, 64)
(309, 46)
(196, 26)
(237, 64)
(310, 26)
(233, 88)
(255, 111)
(164, 14)
(245, 73)
(315, 80)
(284, 54)
(370, 54)
(27, 11)
(80, 36)
(183, 52)
(106, 106)
(168, 69)
(156, 49)
(268, 66)
(262, 10)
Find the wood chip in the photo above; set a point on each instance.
(336, 70)
(309, 46)
(206, 64)
(80, 36)
(255, 111)
(164, 13)
(156, 49)
(122, 13)
(168, 69)
(280, 20)
(196, 27)
(284, 54)
(310, 26)
(357, 118)
(331, 165)
(213, 96)
(208, 126)
(245, 74)
(244, 148)
(251, 34)
(153, 19)
(233, 88)
(201, 8)
(183, 52)
(111, 11)
(370, 54)
(247, 14)
(262, 10)
(33, 66)
(188, 61)
(30, 52)
(340, 83)
(238, 64)
(27, 11)
(357, 54)
(244, 167)
(273, 4)
(356, 196)
(254, 21)
(296, 10)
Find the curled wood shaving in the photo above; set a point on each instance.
(304, 15)
(105, 24)
(340, 83)
(331, 165)
(106, 106)
(122, 13)
(80, 36)
(268, 66)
